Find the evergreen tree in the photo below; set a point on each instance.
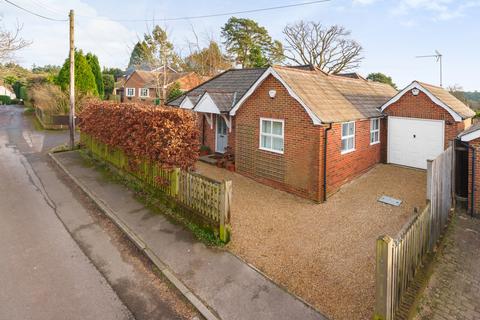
(241, 36)
(380, 77)
(84, 78)
(108, 84)
(97, 72)
(141, 55)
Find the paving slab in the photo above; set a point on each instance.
(228, 286)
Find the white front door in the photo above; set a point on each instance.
(411, 141)
(222, 135)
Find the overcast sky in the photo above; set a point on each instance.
(392, 32)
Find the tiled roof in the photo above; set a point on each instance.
(474, 127)
(337, 98)
(151, 77)
(224, 87)
(450, 100)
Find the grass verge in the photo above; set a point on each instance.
(154, 200)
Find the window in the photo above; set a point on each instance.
(144, 92)
(348, 137)
(374, 131)
(130, 92)
(271, 135)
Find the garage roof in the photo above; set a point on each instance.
(439, 96)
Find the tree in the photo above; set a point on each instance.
(115, 72)
(208, 61)
(97, 72)
(10, 42)
(140, 55)
(327, 48)
(380, 77)
(241, 36)
(84, 79)
(174, 91)
(108, 84)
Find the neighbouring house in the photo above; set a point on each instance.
(467, 182)
(308, 133)
(142, 85)
(4, 91)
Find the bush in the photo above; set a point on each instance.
(50, 98)
(167, 136)
(5, 100)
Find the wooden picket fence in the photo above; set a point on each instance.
(208, 198)
(399, 259)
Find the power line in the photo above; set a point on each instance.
(34, 13)
(212, 15)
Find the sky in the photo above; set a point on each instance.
(391, 32)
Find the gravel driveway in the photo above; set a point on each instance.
(325, 253)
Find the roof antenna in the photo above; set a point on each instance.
(438, 57)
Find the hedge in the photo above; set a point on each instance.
(164, 135)
(5, 100)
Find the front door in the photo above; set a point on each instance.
(222, 135)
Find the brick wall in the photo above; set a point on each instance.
(476, 205)
(421, 106)
(342, 168)
(297, 170)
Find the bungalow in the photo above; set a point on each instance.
(142, 85)
(308, 133)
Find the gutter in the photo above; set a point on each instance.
(325, 143)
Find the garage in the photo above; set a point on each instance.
(412, 141)
(421, 121)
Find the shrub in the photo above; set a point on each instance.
(50, 98)
(5, 100)
(163, 135)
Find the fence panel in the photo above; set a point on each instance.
(399, 258)
(207, 197)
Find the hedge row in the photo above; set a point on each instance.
(164, 135)
(5, 100)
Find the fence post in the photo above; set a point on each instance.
(383, 297)
(174, 182)
(225, 201)
(429, 179)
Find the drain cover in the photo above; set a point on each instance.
(389, 200)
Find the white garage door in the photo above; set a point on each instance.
(411, 142)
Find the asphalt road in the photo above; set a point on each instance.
(59, 258)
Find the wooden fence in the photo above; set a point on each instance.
(398, 259)
(50, 120)
(208, 198)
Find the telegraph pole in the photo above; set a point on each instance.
(72, 83)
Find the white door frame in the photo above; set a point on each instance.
(408, 118)
(217, 117)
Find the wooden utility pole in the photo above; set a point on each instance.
(72, 83)
(164, 86)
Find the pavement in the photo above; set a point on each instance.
(229, 287)
(61, 258)
(453, 290)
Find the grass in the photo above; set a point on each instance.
(154, 200)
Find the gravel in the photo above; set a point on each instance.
(324, 253)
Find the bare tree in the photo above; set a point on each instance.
(10, 42)
(457, 91)
(328, 48)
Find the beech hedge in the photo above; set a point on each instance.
(164, 135)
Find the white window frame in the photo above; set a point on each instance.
(348, 136)
(144, 96)
(129, 95)
(282, 136)
(372, 131)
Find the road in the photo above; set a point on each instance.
(59, 257)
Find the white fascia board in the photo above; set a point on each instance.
(271, 71)
(416, 85)
(206, 105)
(186, 104)
(471, 136)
